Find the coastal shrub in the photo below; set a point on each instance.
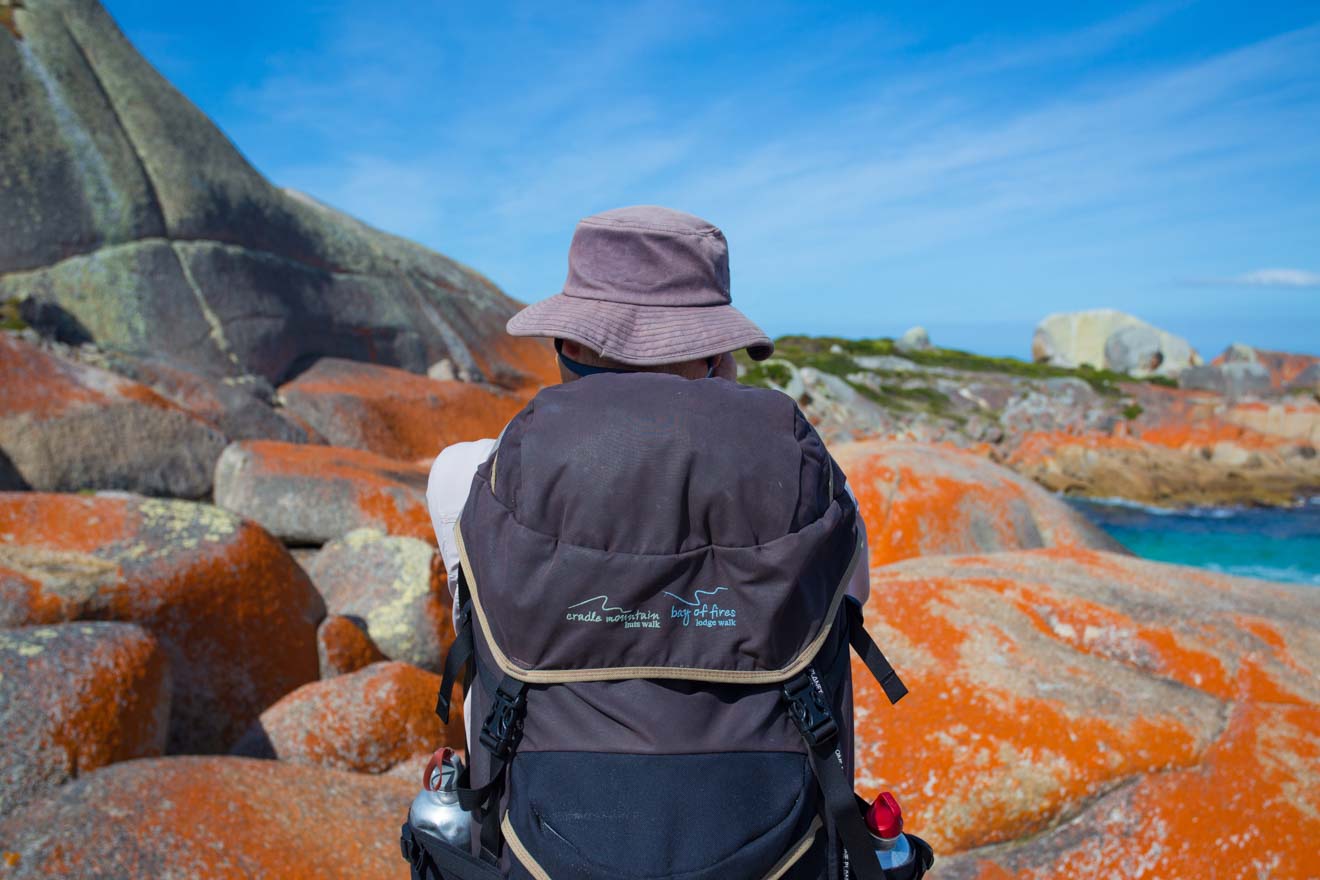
(10, 317)
(1132, 411)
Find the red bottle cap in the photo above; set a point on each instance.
(437, 761)
(885, 818)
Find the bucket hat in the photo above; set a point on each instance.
(646, 285)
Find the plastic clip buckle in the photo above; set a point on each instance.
(808, 710)
(504, 725)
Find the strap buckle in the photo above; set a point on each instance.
(807, 708)
(503, 728)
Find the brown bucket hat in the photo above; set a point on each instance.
(646, 285)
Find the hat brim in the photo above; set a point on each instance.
(643, 336)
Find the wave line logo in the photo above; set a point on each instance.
(696, 597)
(604, 604)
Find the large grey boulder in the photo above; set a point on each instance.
(66, 426)
(127, 218)
(75, 697)
(1234, 379)
(396, 586)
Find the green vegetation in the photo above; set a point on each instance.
(817, 351)
(10, 318)
(1132, 411)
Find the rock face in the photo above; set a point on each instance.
(922, 500)
(138, 225)
(174, 818)
(913, 339)
(1104, 338)
(369, 721)
(1284, 369)
(1114, 697)
(343, 646)
(231, 610)
(240, 409)
(65, 426)
(392, 412)
(76, 697)
(1235, 379)
(396, 587)
(313, 494)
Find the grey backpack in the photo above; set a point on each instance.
(654, 633)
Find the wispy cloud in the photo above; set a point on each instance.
(846, 159)
(1266, 278)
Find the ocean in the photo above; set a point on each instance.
(1279, 544)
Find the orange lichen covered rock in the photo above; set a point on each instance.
(396, 587)
(211, 817)
(393, 412)
(343, 646)
(921, 500)
(1041, 680)
(234, 613)
(1250, 808)
(66, 426)
(308, 494)
(368, 721)
(75, 697)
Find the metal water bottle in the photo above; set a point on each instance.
(885, 822)
(436, 808)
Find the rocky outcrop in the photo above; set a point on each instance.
(1235, 380)
(1284, 369)
(211, 817)
(231, 610)
(368, 721)
(392, 412)
(313, 494)
(136, 224)
(1112, 340)
(343, 646)
(1090, 705)
(913, 339)
(923, 500)
(396, 587)
(73, 698)
(66, 426)
(1076, 431)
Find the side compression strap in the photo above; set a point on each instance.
(809, 707)
(456, 661)
(460, 652)
(871, 654)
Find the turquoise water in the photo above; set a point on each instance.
(1280, 544)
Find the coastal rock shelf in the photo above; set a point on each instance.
(1080, 431)
(1071, 710)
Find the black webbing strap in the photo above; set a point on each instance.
(456, 660)
(809, 707)
(871, 654)
(433, 858)
(500, 735)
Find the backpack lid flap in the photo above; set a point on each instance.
(716, 547)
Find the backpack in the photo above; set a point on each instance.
(653, 631)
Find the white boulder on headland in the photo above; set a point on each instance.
(1112, 340)
(914, 339)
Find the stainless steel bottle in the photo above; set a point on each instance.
(436, 808)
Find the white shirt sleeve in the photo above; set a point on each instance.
(447, 492)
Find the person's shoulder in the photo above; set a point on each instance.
(452, 470)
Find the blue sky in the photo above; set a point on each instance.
(874, 166)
